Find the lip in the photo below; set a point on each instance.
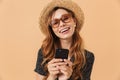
(64, 29)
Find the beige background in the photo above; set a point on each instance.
(20, 37)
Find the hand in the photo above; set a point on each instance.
(65, 70)
(53, 68)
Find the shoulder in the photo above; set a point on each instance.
(39, 66)
(89, 56)
(87, 68)
(40, 53)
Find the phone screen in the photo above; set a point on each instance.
(62, 53)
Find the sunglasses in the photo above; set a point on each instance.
(65, 19)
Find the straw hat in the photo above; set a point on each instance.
(68, 4)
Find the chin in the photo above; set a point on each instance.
(66, 37)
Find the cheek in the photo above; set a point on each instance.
(55, 31)
(72, 30)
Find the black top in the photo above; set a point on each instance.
(86, 71)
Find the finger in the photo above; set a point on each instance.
(55, 61)
(60, 63)
(67, 70)
(54, 69)
(69, 63)
(55, 72)
(55, 66)
(51, 66)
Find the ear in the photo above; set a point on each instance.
(75, 21)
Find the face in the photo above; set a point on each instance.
(63, 24)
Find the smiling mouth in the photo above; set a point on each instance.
(64, 30)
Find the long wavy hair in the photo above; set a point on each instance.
(51, 42)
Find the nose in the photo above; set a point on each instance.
(61, 24)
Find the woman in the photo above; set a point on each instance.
(61, 22)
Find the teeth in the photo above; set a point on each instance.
(63, 30)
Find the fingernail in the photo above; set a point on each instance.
(64, 59)
(61, 59)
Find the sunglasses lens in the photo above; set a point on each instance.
(65, 18)
(55, 22)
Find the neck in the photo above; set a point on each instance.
(66, 43)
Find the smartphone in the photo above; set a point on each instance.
(61, 53)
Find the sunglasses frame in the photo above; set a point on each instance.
(69, 18)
